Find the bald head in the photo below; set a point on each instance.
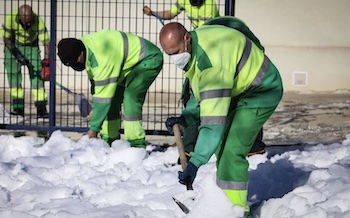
(25, 16)
(171, 37)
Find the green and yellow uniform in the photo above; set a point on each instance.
(197, 15)
(26, 40)
(238, 89)
(121, 67)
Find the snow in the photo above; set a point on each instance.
(87, 178)
(61, 177)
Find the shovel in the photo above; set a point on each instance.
(183, 161)
(80, 100)
(158, 18)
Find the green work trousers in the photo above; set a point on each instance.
(132, 95)
(14, 76)
(243, 126)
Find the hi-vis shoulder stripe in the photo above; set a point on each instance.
(260, 75)
(244, 57)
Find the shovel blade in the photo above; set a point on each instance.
(83, 104)
(182, 206)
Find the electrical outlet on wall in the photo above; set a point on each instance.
(300, 78)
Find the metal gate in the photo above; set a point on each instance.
(75, 18)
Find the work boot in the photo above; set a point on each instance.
(18, 111)
(41, 112)
(261, 151)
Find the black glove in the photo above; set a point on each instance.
(20, 58)
(188, 175)
(171, 121)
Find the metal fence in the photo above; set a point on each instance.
(75, 18)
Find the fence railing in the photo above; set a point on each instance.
(75, 18)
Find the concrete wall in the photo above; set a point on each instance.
(308, 40)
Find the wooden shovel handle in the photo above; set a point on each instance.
(180, 146)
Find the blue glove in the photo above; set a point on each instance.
(171, 121)
(188, 175)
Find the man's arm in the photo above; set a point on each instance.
(9, 44)
(16, 53)
(165, 15)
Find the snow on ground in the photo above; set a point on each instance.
(87, 178)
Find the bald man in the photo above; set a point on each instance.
(238, 89)
(22, 31)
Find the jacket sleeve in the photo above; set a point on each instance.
(215, 98)
(103, 92)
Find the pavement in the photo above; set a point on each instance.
(310, 118)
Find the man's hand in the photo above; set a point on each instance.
(45, 71)
(171, 121)
(188, 175)
(23, 60)
(147, 10)
(92, 134)
(88, 117)
(19, 57)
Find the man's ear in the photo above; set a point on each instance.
(188, 37)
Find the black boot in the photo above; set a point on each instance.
(18, 111)
(42, 112)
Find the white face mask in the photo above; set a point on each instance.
(181, 60)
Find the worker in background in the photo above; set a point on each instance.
(21, 32)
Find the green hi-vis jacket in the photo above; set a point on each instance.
(227, 65)
(197, 15)
(12, 29)
(110, 57)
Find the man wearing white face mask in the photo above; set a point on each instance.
(181, 59)
(238, 88)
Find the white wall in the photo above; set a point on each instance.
(308, 36)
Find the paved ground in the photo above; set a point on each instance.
(310, 118)
(300, 118)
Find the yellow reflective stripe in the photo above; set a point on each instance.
(213, 120)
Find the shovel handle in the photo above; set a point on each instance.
(182, 154)
(65, 88)
(180, 146)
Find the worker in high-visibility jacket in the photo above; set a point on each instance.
(22, 31)
(121, 67)
(238, 89)
(197, 11)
